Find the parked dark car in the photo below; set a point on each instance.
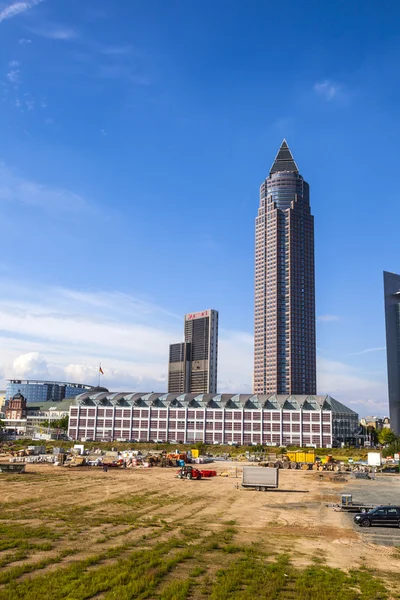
(381, 515)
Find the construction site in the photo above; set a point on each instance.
(108, 525)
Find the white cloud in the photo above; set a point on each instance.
(23, 41)
(368, 350)
(16, 8)
(13, 76)
(328, 318)
(76, 330)
(352, 386)
(16, 189)
(13, 63)
(31, 364)
(327, 89)
(29, 103)
(55, 32)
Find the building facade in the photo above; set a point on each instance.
(35, 390)
(31, 421)
(193, 364)
(391, 285)
(16, 408)
(284, 336)
(275, 420)
(179, 368)
(377, 423)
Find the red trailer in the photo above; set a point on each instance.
(208, 473)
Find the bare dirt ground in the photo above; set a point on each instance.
(293, 519)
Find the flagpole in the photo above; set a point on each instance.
(99, 374)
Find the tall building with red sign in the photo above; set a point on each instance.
(193, 364)
(284, 335)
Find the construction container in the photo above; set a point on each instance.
(301, 457)
(260, 478)
(374, 459)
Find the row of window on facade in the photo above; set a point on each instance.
(254, 415)
(217, 426)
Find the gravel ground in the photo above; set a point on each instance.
(385, 489)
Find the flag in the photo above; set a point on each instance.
(101, 370)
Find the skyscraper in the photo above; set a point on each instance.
(193, 364)
(179, 368)
(284, 336)
(391, 284)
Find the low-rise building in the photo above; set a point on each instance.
(276, 420)
(25, 419)
(377, 423)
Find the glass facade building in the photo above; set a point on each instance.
(392, 317)
(44, 391)
(284, 336)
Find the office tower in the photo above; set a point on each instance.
(391, 285)
(284, 335)
(179, 368)
(201, 332)
(193, 364)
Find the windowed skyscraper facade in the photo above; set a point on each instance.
(284, 336)
(391, 283)
(193, 364)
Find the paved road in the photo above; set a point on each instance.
(385, 489)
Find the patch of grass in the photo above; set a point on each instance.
(197, 571)
(331, 584)
(14, 572)
(231, 548)
(16, 531)
(247, 578)
(13, 557)
(177, 590)
(131, 577)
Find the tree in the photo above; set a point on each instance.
(57, 423)
(386, 436)
(392, 449)
(63, 423)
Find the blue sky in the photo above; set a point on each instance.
(135, 136)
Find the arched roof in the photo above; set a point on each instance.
(213, 401)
